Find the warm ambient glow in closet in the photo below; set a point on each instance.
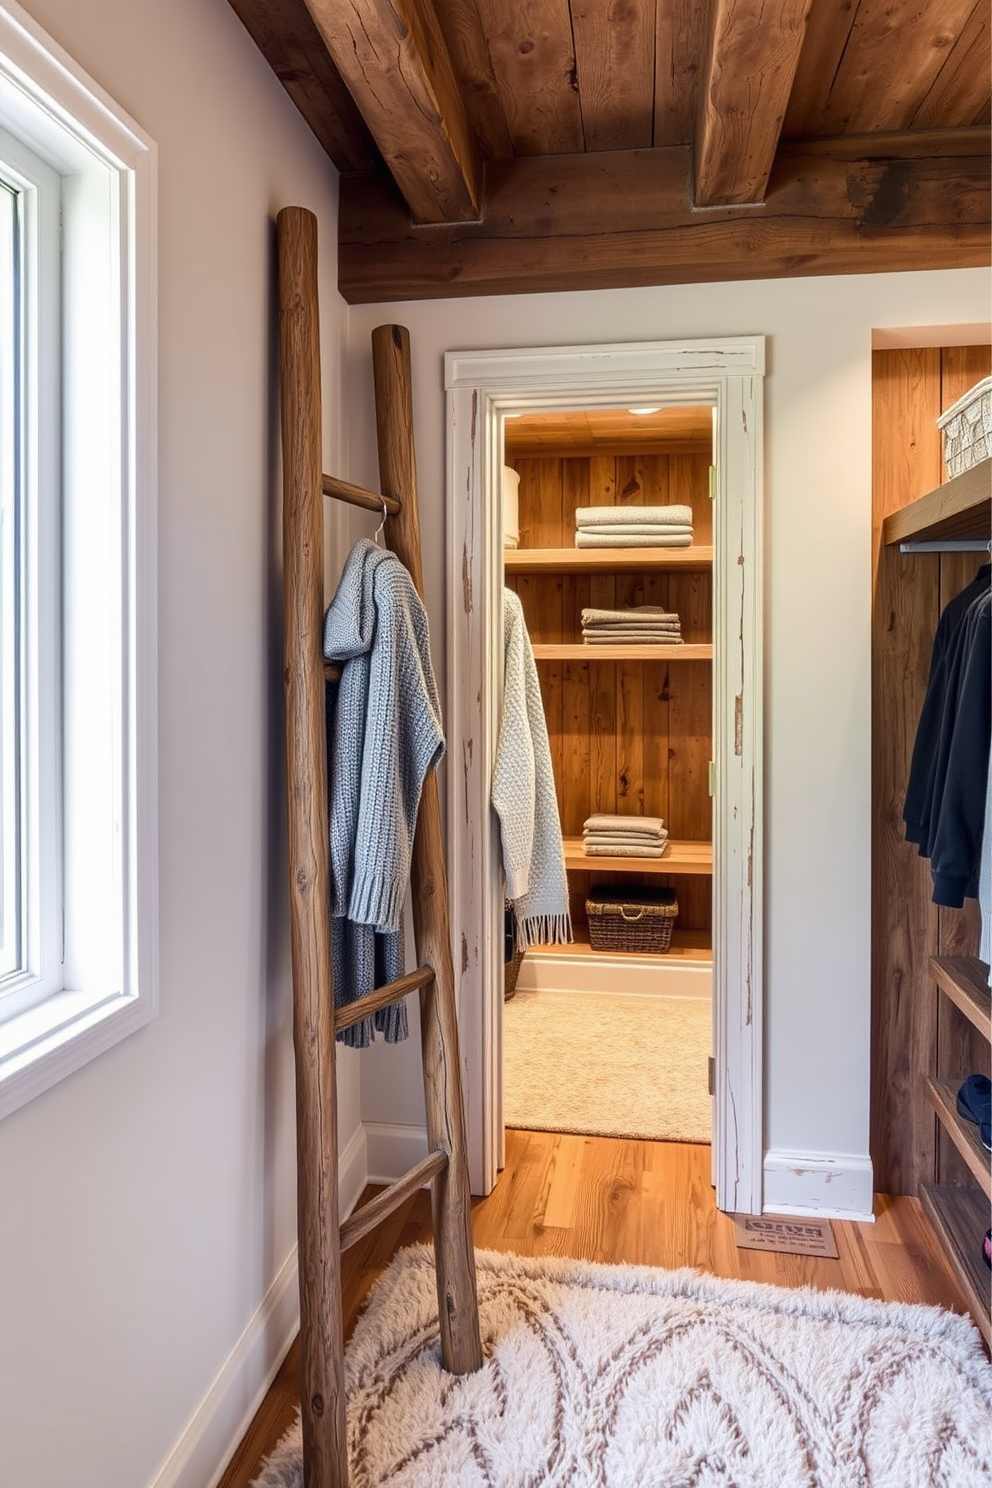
(629, 725)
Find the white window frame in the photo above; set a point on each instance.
(102, 663)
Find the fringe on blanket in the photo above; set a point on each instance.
(544, 930)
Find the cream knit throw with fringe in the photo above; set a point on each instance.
(523, 795)
(626, 1377)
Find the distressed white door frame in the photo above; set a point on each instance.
(482, 387)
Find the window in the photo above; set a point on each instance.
(78, 862)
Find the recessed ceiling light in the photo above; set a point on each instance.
(642, 411)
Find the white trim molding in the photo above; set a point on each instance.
(482, 388)
(821, 1185)
(393, 1150)
(203, 1451)
(107, 767)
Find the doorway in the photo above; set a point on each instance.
(485, 390)
(619, 615)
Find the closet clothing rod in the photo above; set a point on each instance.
(950, 545)
(359, 496)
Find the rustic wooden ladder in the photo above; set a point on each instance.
(315, 1021)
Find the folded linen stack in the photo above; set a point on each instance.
(643, 625)
(605, 836)
(633, 527)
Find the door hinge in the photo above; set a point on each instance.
(712, 482)
(711, 1075)
(712, 777)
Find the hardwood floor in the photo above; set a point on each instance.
(649, 1203)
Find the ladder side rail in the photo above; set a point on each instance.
(325, 1448)
(458, 1313)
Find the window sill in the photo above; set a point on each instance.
(46, 1043)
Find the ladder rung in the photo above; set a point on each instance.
(377, 1209)
(332, 671)
(359, 496)
(382, 997)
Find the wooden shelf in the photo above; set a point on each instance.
(686, 945)
(959, 509)
(964, 1134)
(960, 1218)
(680, 857)
(544, 651)
(577, 560)
(965, 980)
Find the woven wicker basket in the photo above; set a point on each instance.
(511, 970)
(631, 919)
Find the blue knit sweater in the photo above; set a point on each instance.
(385, 734)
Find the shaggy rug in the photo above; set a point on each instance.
(624, 1377)
(622, 1066)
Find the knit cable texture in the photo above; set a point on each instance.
(523, 795)
(385, 734)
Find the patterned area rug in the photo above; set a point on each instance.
(624, 1377)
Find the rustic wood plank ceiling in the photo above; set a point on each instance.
(571, 144)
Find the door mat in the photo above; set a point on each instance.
(793, 1236)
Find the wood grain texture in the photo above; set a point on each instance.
(284, 32)
(957, 508)
(614, 560)
(678, 42)
(623, 218)
(640, 1203)
(613, 742)
(905, 462)
(828, 29)
(749, 60)
(322, 1370)
(960, 93)
(461, 1348)
(468, 46)
(533, 58)
(960, 1047)
(393, 57)
(614, 57)
(608, 431)
(868, 92)
(916, 1033)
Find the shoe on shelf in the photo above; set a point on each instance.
(974, 1103)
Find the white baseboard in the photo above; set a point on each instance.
(393, 1150)
(819, 1185)
(203, 1451)
(634, 976)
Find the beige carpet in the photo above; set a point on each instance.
(624, 1377)
(611, 1065)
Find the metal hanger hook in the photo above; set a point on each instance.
(382, 523)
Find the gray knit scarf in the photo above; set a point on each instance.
(384, 735)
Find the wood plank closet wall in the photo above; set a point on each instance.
(915, 1033)
(626, 736)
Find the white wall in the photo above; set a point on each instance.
(818, 619)
(147, 1203)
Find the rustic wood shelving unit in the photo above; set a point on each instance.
(960, 509)
(679, 857)
(695, 559)
(960, 1216)
(582, 652)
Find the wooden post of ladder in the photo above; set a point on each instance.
(325, 1446)
(458, 1314)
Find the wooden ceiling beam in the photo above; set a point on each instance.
(394, 60)
(750, 55)
(623, 219)
(284, 32)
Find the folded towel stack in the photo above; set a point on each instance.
(633, 527)
(606, 836)
(643, 625)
